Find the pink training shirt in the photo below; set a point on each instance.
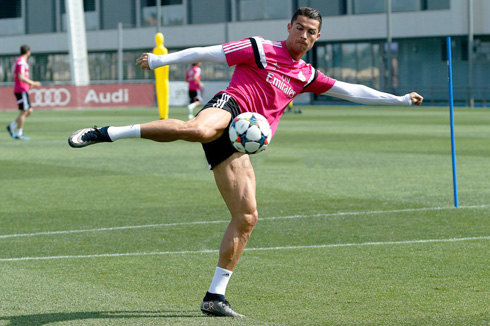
(194, 71)
(266, 78)
(22, 67)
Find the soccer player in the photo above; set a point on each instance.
(267, 76)
(21, 89)
(193, 77)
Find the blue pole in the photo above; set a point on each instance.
(451, 116)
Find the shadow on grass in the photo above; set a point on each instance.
(45, 319)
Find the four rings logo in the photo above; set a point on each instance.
(50, 97)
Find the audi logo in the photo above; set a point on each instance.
(50, 97)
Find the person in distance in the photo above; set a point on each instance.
(22, 83)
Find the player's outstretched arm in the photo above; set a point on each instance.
(365, 95)
(152, 61)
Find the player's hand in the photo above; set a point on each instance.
(416, 98)
(36, 84)
(143, 61)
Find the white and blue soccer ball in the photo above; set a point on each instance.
(250, 133)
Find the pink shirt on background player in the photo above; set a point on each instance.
(266, 78)
(22, 67)
(194, 71)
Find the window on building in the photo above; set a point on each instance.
(40, 16)
(208, 12)
(172, 12)
(326, 8)
(262, 9)
(359, 63)
(51, 67)
(368, 6)
(88, 5)
(10, 9)
(405, 5)
(379, 6)
(436, 4)
(6, 65)
(481, 49)
(367, 72)
(10, 18)
(114, 11)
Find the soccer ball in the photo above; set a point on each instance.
(250, 133)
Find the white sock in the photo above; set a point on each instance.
(20, 132)
(191, 107)
(220, 281)
(13, 125)
(132, 131)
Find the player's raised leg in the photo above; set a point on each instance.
(235, 179)
(208, 125)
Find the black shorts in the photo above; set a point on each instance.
(220, 149)
(194, 96)
(23, 101)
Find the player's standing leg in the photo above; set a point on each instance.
(16, 127)
(235, 179)
(20, 123)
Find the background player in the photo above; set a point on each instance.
(267, 76)
(193, 77)
(22, 84)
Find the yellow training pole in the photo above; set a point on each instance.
(161, 78)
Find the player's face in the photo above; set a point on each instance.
(303, 34)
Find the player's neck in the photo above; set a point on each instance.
(296, 56)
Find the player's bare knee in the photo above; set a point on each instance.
(252, 219)
(201, 133)
(247, 221)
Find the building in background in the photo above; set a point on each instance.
(354, 45)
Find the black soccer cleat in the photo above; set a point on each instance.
(89, 136)
(218, 308)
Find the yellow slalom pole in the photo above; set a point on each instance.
(161, 79)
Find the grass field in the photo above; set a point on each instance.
(356, 227)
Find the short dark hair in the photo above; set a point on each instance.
(24, 49)
(309, 13)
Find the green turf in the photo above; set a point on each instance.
(356, 226)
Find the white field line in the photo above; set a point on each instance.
(334, 245)
(408, 210)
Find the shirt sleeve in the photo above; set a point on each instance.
(20, 69)
(319, 83)
(239, 52)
